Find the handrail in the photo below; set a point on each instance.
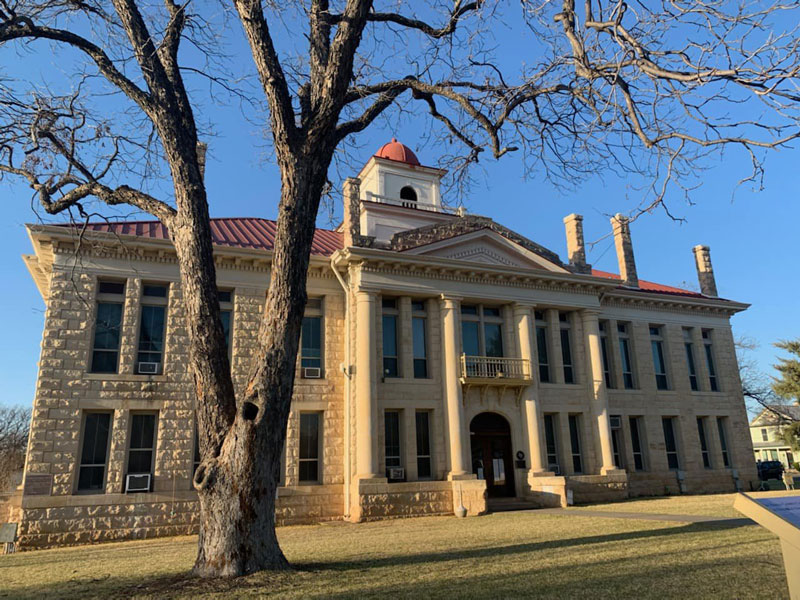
(494, 367)
(372, 197)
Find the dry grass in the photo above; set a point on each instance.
(502, 555)
(715, 505)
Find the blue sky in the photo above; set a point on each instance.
(752, 234)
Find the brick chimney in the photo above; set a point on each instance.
(352, 212)
(576, 249)
(202, 148)
(622, 242)
(705, 272)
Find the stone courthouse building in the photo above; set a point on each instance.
(446, 362)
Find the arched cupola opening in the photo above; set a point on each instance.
(408, 194)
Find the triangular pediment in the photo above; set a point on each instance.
(486, 247)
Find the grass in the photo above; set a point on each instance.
(501, 555)
(715, 505)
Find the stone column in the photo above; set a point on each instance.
(531, 411)
(452, 386)
(404, 338)
(615, 354)
(555, 357)
(599, 403)
(366, 400)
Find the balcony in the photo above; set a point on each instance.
(495, 371)
(370, 197)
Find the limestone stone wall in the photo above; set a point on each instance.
(66, 389)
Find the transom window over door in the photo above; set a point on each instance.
(481, 330)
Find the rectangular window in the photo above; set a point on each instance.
(625, 356)
(391, 364)
(575, 443)
(541, 348)
(712, 372)
(424, 470)
(616, 441)
(94, 452)
(311, 343)
(637, 444)
(551, 443)
(391, 428)
(764, 434)
(107, 326)
(310, 438)
(606, 358)
(701, 432)
(152, 320)
(226, 314)
(659, 364)
(723, 441)
(687, 342)
(419, 343)
(390, 361)
(311, 340)
(142, 444)
(670, 442)
(481, 330)
(566, 349)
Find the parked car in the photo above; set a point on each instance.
(769, 469)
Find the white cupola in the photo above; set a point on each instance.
(398, 193)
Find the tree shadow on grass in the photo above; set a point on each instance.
(185, 585)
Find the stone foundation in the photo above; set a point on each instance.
(587, 489)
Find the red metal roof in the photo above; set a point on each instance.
(394, 150)
(240, 232)
(259, 234)
(649, 286)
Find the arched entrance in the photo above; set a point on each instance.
(490, 439)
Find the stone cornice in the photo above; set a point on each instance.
(413, 265)
(621, 298)
(383, 261)
(127, 247)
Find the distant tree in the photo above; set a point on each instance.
(14, 425)
(787, 385)
(791, 435)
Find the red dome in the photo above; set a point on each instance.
(394, 150)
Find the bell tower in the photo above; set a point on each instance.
(394, 174)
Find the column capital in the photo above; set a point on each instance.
(366, 294)
(590, 313)
(523, 306)
(450, 299)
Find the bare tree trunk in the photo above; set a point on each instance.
(237, 488)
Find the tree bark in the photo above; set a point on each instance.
(237, 487)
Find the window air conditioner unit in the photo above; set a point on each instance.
(149, 368)
(397, 473)
(137, 483)
(312, 372)
(554, 469)
(615, 422)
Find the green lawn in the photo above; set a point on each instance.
(499, 555)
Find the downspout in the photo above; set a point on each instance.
(345, 367)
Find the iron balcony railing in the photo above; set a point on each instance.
(500, 369)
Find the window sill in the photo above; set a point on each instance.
(409, 380)
(124, 377)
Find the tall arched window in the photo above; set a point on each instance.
(408, 195)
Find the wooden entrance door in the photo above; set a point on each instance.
(490, 438)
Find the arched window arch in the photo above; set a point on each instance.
(407, 194)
